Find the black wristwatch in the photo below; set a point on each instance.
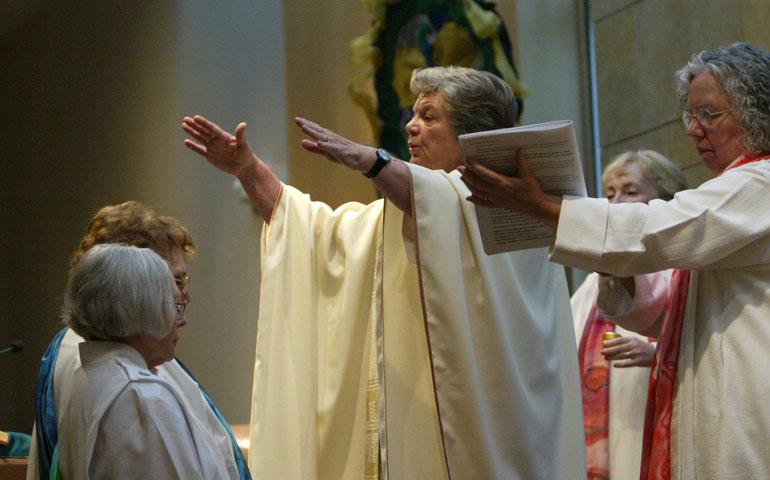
(383, 158)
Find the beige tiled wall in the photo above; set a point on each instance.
(639, 46)
(756, 15)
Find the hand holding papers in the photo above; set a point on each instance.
(551, 152)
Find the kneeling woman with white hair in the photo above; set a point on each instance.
(120, 419)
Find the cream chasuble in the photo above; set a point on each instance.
(474, 355)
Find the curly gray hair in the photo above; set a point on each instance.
(475, 100)
(743, 72)
(116, 291)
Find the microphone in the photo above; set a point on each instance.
(16, 346)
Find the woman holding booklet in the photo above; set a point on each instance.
(388, 341)
(706, 413)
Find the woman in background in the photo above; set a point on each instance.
(613, 411)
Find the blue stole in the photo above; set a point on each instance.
(45, 407)
(45, 416)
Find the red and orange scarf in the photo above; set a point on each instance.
(595, 388)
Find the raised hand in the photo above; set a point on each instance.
(229, 153)
(232, 154)
(335, 147)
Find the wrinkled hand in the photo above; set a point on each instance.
(231, 154)
(335, 147)
(629, 352)
(520, 193)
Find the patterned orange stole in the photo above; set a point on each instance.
(595, 387)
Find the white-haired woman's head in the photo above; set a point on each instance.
(116, 291)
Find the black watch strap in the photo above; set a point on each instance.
(383, 158)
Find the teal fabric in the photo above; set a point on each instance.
(45, 407)
(54, 474)
(18, 445)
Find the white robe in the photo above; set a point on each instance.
(121, 421)
(474, 364)
(67, 366)
(720, 425)
(628, 386)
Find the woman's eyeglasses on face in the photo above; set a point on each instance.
(180, 307)
(182, 281)
(703, 116)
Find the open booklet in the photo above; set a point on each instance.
(552, 154)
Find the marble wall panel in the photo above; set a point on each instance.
(637, 51)
(756, 18)
(602, 8)
(713, 23)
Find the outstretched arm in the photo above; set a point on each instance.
(232, 154)
(521, 193)
(392, 181)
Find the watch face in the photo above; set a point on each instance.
(383, 158)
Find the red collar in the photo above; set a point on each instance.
(743, 160)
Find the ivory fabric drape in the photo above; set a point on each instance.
(475, 357)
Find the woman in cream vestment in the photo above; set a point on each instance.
(390, 345)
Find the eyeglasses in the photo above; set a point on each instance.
(703, 116)
(180, 307)
(182, 281)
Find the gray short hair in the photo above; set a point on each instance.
(662, 172)
(743, 73)
(116, 291)
(475, 100)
